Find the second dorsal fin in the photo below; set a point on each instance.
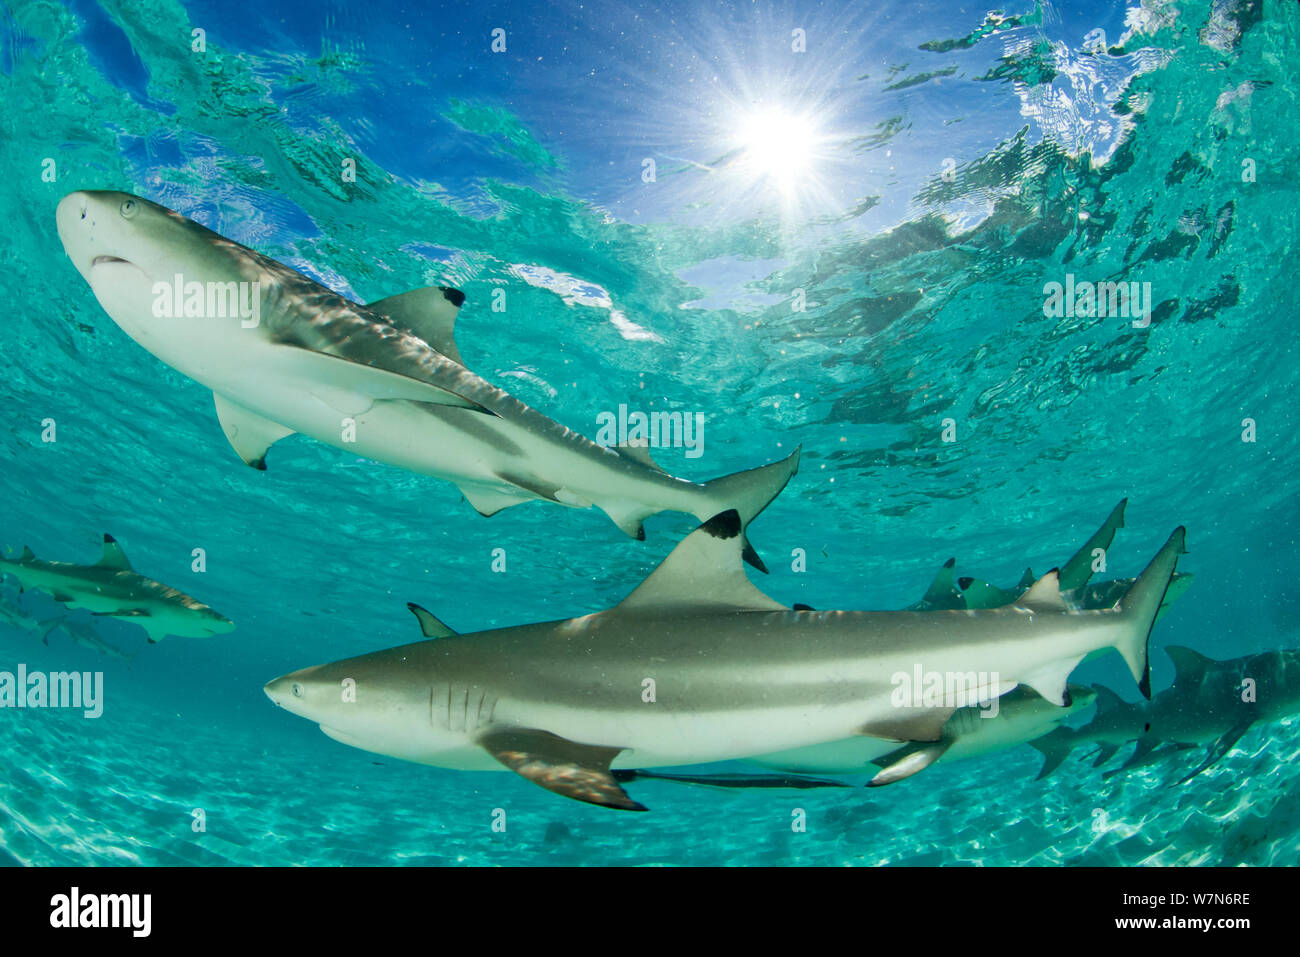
(1044, 594)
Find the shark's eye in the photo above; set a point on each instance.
(129, 208)
(297, 690)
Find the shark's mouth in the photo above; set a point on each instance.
(102, 260)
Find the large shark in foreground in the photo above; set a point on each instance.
(382, 380)
(696, 666)
(1209, 705)
(112, 587)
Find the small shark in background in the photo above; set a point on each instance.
(1022, 716)
(112, 587)
(947, 591)
(13, 616)
(1209, 705)
(732, 674)
(383, 380)
(84, 635)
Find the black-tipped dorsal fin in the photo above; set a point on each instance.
(639, 453)
(428, 313)
(1044, 594)
(942, 587)
(704, 572)
(430, 626)
(1026, 580)
(1190, 666)
(1076, 572)
(113, 556)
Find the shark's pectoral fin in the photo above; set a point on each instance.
(578, 771)
(910, 724)
(910, 760)
(249, 434)
(428, 313)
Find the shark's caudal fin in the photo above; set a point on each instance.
(749, 492)
(1140, 605)
(1076, 572)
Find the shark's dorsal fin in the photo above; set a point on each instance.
(28, 555)
(704, 572)
(250, 434)
(1044, 595)
(1189, 666)
(640, 454)
(1026, 580)
(428, 313)
(1076, 572)
(942, 586)
(429, 625)
(978, 594)
(113, 556)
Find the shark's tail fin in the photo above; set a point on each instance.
(1055, 748)
(749, 492)
(1140, 605)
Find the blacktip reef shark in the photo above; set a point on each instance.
(1022, 715)
(1207, 706)
(947, 591)
(112, 587)
(383, 380)
(729, 673)
(13, 616)
(84, 636)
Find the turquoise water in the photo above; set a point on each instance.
(523, 172)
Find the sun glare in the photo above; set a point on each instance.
(777, 145)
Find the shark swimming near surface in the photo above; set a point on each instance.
(284, 354)
(1210, 705)
(697, 665)
(112, 587)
